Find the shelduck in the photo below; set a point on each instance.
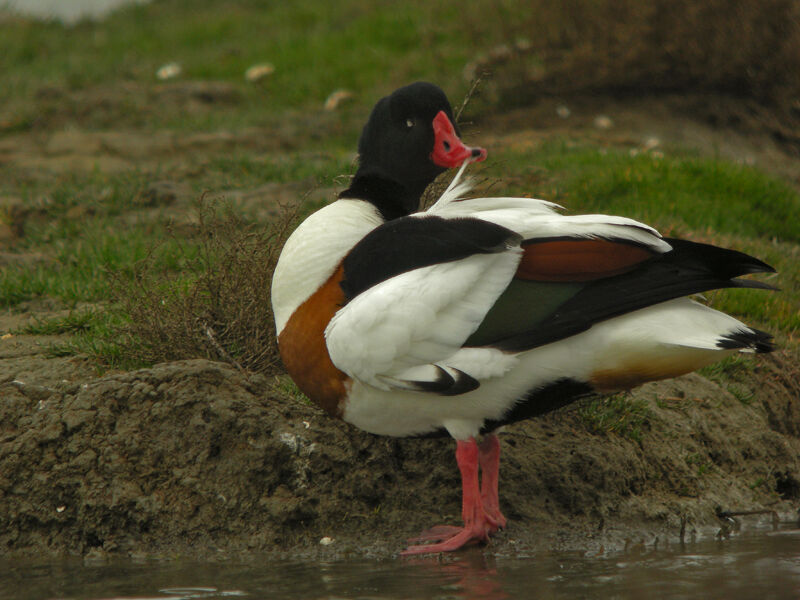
(481, 312)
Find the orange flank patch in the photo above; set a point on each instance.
(652, 367)
(578, 260)
(303, 350)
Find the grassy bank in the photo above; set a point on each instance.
(315, 48)
(87, 253)
(89, 135)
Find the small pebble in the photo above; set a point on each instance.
(326, 541)
(650, 143)
(470, 71)
(333, 101)
(259, 71)
(169, 71)
(603, 122)
(501, 52)
(523, 44)
(290, 440)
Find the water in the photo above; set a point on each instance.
(68, 11)
(758, 566)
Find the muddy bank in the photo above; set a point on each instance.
(194, 458)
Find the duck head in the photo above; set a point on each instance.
(410, 138)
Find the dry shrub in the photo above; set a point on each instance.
(218, 306)
(738, 48)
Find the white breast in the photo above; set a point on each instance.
(314, 250)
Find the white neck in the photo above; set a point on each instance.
(315, 249)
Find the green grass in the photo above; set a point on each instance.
(73, 322)
(677, 192)
(619, 414)
(243, 170)
(111, 236)
(702, 466)
(99, 338)
(735, 375)
(81, 262)
(732, 367)
(316, 47)
(102, 76)
(89, 331)
(284, 385)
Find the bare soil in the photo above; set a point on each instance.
(196, 458)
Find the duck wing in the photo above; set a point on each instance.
(438, 302)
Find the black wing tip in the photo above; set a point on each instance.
(725, 262)
(447, 385)
(756, 340)
(756, 266)
(750, 264)
(752, 284)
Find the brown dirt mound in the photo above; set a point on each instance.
(194, 458)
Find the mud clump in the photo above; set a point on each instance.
(195, 458)
(182, 456)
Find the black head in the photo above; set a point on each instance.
(409, 139)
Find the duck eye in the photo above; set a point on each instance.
(409, 123)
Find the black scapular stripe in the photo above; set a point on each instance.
(533, 403)
(410, 243)
(542, 400)
(689, 268)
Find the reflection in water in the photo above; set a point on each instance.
(68, 11)
(473, 573)
(765, 566)
(194, 593)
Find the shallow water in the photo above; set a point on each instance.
(68, 11)
(765, 566)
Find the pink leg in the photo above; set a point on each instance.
(489, 458)
(476, 527)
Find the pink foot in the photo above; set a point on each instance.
(439, 532)
(480, 507)
(461, 538)
(496, 520)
